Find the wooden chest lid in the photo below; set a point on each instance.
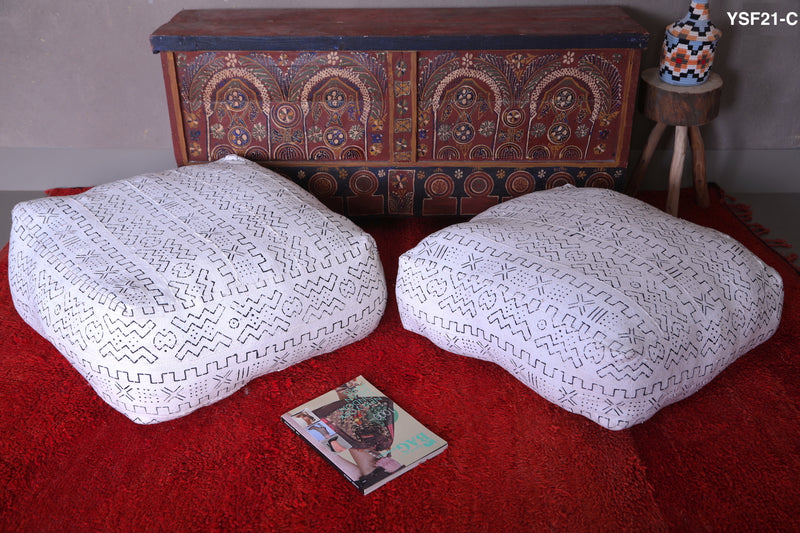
(400, 29)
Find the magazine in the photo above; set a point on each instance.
(365, 435)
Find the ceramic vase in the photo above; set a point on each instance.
(689, 46)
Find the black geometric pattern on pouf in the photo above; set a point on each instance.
(171, 291)
(598, 302)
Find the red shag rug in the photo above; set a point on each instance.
(725, 459)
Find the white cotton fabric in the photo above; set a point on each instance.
(170, 291)
(600, 303)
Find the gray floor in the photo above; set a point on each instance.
(8, 199)
(780, 213)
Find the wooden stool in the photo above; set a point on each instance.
(686, 108)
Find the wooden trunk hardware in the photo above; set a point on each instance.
(408, 111)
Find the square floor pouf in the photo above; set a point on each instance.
(171, 291)
(597, 301)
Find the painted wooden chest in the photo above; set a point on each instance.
(408, 111)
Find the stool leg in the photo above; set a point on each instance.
(644, 161)
(699, 167)
(676, 170)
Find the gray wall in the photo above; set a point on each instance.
(83, 99)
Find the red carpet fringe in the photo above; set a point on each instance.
(725, 459)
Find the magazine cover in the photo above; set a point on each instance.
(365, 435)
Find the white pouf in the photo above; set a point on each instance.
(600, 303)
(171, 291)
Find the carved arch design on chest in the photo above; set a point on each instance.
(237, 108)
(516, 105)
(585, 94)
(299, 103)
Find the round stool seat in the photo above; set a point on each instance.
(676, 105)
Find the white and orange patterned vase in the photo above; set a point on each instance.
(689, 46)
